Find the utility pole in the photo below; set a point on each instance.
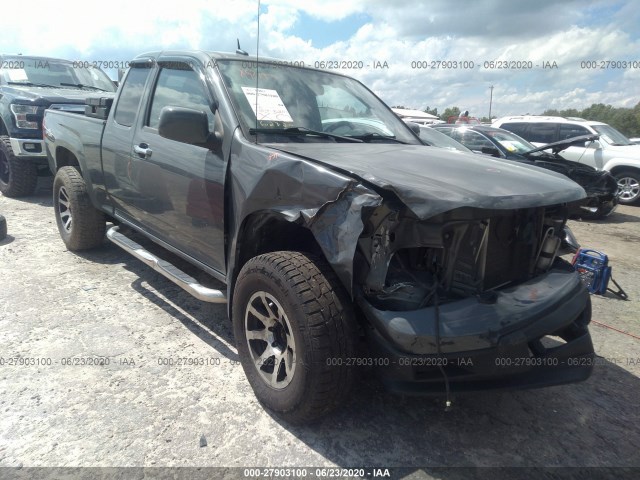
(490, 102)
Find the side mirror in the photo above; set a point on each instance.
(494, 152)
(184, 125)
(415, 128)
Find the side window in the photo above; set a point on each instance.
(474, 141)
(519, 128)
(182, 88)
(131, 95)
(542, 132)
(570, 131)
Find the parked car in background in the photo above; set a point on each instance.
(612, 151)
(28, 86)
(635, 141)
(601, 187)
(432, 137)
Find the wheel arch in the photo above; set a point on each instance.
(620, 168)
(265, 232)
(3, 128)
(66, 158)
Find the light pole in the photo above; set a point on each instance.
(490, 102)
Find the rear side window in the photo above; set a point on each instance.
(542, 132)
(131, 95)
(570, 131)
(519, 128)
(473, 140)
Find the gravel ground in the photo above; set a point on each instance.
(137, 411)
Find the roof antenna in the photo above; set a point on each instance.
(239, 51)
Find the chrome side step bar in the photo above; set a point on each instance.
(177, 276)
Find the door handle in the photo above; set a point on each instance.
(142, 150)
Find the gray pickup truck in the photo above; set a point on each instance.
(343, 241)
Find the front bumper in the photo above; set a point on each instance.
(28, 147)
(487, 346)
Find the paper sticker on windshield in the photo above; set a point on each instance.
(17, 75)
(508, 145)
(270, 105)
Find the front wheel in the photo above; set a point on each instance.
(80, 224)
(295, 333)
(18, 176)
(603, 210)
(628, 186)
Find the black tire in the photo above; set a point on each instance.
(18, 176)
(80, 224)
(309, 300)
(628, 187)
(3, 227)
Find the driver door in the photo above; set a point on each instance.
(181, 186)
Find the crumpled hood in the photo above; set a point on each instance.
(431, 181)
(47, 96)
(595, 182)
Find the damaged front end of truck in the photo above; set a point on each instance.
(477, 296)
(456, 283)
(454, 265)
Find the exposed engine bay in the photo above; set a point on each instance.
(406, 264)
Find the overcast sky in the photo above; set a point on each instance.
(373, 32)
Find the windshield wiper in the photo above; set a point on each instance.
(31, 84)
(377, 136)
(82, 85)
(301, 131)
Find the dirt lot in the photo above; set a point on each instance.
(140, 411)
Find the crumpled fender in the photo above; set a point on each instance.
(329, 204)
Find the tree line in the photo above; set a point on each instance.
(626, 120)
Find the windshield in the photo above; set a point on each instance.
(297, 98)
(53, 73)
(511, 142)
(611, 135)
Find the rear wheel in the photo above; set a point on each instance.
(628, 186)
(18, 176)
(80, 224)
(295, 332)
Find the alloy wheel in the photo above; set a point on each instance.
(270, 340)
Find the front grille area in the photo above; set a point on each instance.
(468, 253)
(492, 252)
